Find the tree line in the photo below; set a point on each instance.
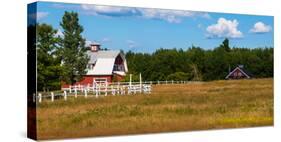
(198, 64)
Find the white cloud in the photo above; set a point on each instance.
(204, 15)
(101, 42)
(38, 15)
(57, 5)
(104, 40)
(41, 15)
(102, 8)
(224, 28)
(167, 15)
(107, 10)
(131, 44)
(171, 16)
(260, 27)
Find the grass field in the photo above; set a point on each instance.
(182, 107)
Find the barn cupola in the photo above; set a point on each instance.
(95, 47)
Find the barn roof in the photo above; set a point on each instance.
(104, 61)
(102, 54)
(245, 72)
(104, 66)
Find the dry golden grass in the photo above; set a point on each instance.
(195, 106)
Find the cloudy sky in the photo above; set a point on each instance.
(145, 30)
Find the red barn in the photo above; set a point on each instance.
(238, 73)
(104, 65)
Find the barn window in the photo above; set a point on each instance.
(118, 67)
(100, 80)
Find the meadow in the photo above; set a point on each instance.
(169, 108)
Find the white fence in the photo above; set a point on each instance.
(104, 88)
(97, 90)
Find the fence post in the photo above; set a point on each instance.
(70, 89)
(88, 87)
(118, 91)
(75, 91)
(130, 84)
(140, 84)
(121, 90)
(158, 82)
(85, 91)
(94, 88)
(106, 89)
(97, 90)
(52, 96)
(166, 82)
(130, 90)
(172, 81)
(40, 97)
(65, 98)
(112, 89)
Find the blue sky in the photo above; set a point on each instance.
(145, 30)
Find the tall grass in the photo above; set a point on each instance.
(181, 107)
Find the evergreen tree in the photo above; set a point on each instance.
(225, 45)
(48, 65)
(73, 51)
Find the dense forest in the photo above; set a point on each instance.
(198, 64)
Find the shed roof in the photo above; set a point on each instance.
(245, 72)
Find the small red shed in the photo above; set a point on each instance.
(239, 73)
